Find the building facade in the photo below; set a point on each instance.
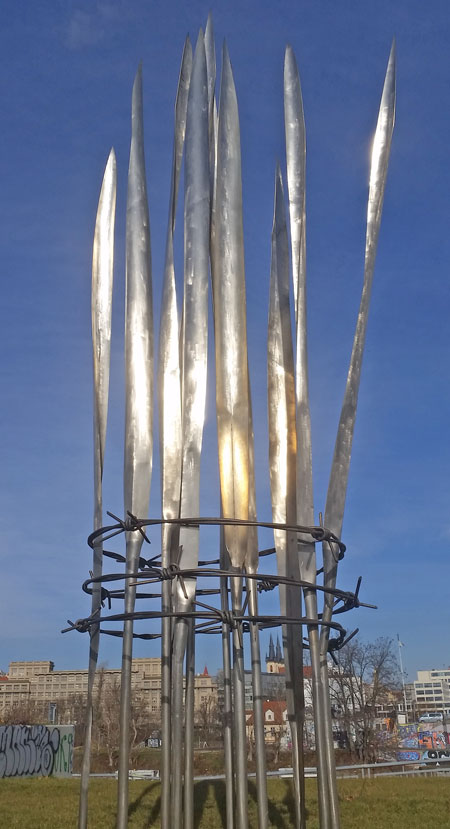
(38, 684)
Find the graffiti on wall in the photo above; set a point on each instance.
(36, 750)
(433, 739)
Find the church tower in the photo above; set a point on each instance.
(274, 659)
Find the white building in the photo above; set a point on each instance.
(432, 690)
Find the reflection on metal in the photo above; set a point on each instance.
(337, 487)
(101, 311)
(138, 404)
(170, 444)
(220, 596)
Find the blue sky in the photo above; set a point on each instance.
(65, 89)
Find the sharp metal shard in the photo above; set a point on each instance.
(101, 312)
(194, 348)
(170, 427)
(337, 488)
(232, 385)
(282, 463)
(138, 402)
(296, 176)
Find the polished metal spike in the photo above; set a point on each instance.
(170, 428)
(337, 487)
(282, 464)
(101, 313)
(138, 403)
(194, 347)
(296, 177)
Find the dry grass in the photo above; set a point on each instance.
(385, 803)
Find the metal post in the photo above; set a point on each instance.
(258, 715)
(189, 729)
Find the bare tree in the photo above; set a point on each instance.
(207, 719)
(366, 676)
(106, 710)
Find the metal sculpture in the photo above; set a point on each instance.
(229, 605)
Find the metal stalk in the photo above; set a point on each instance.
(194, 368)
(170, 430)
(101, 311)
(251, 566)
(232, 404)
(138, 404)
(227, 695)
(282, 462)
(337, 488)
(295, 135)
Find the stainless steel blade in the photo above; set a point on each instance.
(195, 306)
(169, 356)
(138, 401)
(337, 488)
(282, 463)
(101, 312)
(295, 135)
(194, 369)
(230, 325)
(296, 175)
(170, 429)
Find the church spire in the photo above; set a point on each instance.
(279, 653)
(271, 655)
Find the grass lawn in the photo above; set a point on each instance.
(387, 803)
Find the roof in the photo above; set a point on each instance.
(277, 706)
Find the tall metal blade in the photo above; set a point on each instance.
(101, 311)
(210, 51)
(295, 134)
(337, 488)
(296, 175)
(232, 407)
(170, 427)
(230, 324)
(138, 401)
(282, 462)
(194, 368)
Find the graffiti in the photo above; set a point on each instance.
(32, 750)
(408, 736)
(408, 755)
(64, 756)
(433, 739)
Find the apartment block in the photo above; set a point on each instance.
(39, 683)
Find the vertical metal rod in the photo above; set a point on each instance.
(101, 311)
(189, 729)
(166, 678)
(227, 695)
(251, 566)
(180, 635)
(239, 726)
(258, 715)
(337, 488)
(138, 405)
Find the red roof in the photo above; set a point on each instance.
(205, 672)
(277, 706)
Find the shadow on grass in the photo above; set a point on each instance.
(281, 819)
(200, 797)
(281, 809)
(156, 808)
